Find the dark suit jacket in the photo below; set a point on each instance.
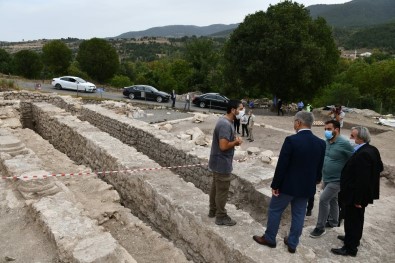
(299, 167)
(360, 178)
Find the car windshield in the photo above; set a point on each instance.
(80, 80)
(152, 88)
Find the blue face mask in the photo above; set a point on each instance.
(328, 135)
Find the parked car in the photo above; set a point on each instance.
(73, 83)
(211, 100)
(145, 92)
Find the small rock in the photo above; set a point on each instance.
(166, 127)
(9, 258)
(253, 150)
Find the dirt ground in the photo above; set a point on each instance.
(24, 241)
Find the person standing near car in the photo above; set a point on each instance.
(187, 101)
(173, 98)
(220, 163)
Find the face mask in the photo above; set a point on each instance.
(352, 142)
(328, 135)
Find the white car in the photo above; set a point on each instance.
(73, 83)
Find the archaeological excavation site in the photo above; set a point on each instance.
(94, 181)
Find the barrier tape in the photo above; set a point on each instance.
(96, 173)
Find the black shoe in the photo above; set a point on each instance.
(343, 252)
(342, 238)
(317, 233)
(211, 213)
(308, 213)
(290, 250)
(263, 241)
(251, 140)
(225, 221)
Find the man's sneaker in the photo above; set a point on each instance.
(317, 233)
(308, 213)
(225, 221)
(211, 213)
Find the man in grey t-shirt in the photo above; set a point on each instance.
(220, 163)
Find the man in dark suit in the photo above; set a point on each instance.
(359, 186)
(298, 171)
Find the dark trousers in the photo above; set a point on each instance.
(236, 123)
(173, 102)
(219, 194)
(310, 204)
(353, 227)
(244, 129)
(280, 110)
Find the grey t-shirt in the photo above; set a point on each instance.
(221, 161)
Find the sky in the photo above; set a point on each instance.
(24, 20)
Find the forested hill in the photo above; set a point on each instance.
(356, 13)
(178, 31)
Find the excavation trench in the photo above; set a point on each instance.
(175, 204)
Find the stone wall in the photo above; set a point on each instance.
(177, 208)
(79, 238)
(248, 190)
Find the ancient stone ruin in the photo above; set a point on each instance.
(137, 194)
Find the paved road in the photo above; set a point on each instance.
(30, 85)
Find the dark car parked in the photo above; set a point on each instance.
(145, 92)
(211, 100)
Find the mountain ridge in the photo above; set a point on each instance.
(355, 13)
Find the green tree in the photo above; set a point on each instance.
(5, 62)
(282, 51)
(203, 57)
(28, 64)
(98, 58)
(120, 81)
(56, 57)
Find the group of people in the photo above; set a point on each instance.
(350, 175)
(300, 105)
(247, 122)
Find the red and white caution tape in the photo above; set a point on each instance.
(96, 173)
(104, 173)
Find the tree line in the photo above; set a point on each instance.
(282, 52)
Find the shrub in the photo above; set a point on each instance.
(120, 81)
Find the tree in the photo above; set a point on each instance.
(5, 62)
(203, 57)
(28, 64)
(283, 51)
(56, 57)
(98, 58)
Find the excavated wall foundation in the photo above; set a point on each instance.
(173, 205)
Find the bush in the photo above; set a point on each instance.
(338, 93)
(120, 81)
(6, 85)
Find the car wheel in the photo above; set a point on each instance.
(202, 104)
(58, 86)
(131, 96)
(159, 99)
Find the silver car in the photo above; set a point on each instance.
(73, 83)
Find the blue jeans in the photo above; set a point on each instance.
(276, 209)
